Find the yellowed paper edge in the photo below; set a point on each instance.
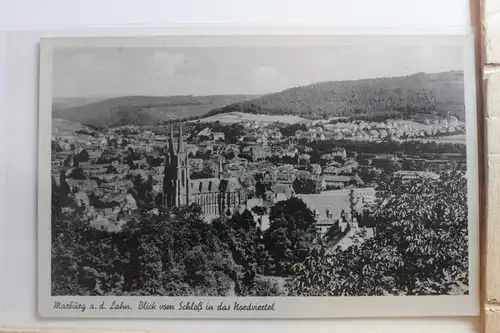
(488, 47)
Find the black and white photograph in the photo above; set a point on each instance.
(257, 176)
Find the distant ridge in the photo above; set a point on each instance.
(59, 103)
(418, 96)
(143, 110)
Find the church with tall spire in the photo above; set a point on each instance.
(176, 172)
(216, 196)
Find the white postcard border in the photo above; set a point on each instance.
(284, 307)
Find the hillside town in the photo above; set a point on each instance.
(225, 168)
(259, 170)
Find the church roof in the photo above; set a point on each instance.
(204, 185)
(229, 184)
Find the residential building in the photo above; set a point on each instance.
(336, 181)
(410, 175)
(219, 136)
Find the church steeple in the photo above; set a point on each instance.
(180, 143)
(176, 174)
(170, 146)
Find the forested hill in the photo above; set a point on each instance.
(415, 96)
(140, 110)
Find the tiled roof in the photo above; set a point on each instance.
(284, 189)
(335, 178)
(332, 163)
(320, 203)
(158, 178)
(84, 185)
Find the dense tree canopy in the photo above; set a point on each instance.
(305, 185)
(290, 235)
(420, 247)
(171, 254)
(176, 254)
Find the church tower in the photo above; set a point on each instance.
(176, 174)
(182, 171)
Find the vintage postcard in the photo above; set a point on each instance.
(314, 176)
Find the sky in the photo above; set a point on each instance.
(97, 72)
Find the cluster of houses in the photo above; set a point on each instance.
(378, 131)
(100, 169)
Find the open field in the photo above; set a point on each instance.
(236, 117)
(458, 138)
(414, 124)
(65, 126)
